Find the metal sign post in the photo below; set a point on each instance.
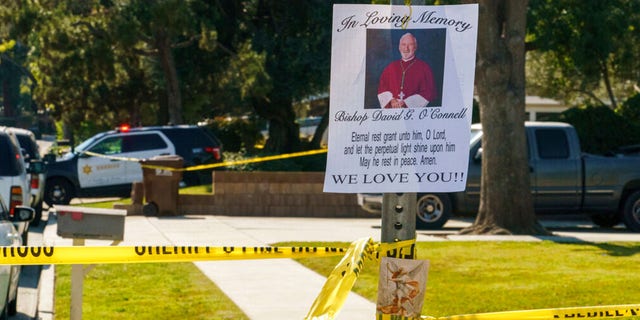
(399, 209)
(77, 283)
(399, 221)
(79, 224)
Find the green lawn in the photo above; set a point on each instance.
(464, 277)
(475, 277)
(145, 291)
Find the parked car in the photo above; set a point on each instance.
(78, 174)
(14, 179)
(563, 180)
(31, 150)
(10, 274)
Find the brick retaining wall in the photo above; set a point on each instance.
(271, 194)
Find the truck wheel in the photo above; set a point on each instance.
(58, 191)
(631, 213)
(605, 220)
(433, 210)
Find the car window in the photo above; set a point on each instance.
(552, 144)
(190, 141)
(10, 157)
(111, 145)
(4, 213)
(142, 142)
(87, 143)
(30, 147)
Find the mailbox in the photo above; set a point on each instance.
(90, 223)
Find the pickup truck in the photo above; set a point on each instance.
(563, 180)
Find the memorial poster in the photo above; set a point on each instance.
(401, 98)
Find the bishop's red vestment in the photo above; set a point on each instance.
(416, 88)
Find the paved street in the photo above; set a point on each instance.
(35, 293)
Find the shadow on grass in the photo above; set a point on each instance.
(611, 248)
(618, 250)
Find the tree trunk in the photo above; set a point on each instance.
(284, 133)
(9, 89)
(174, 98)
(607, 83)
(7, 103)
(506, 205)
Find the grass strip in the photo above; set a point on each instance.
(145, 291)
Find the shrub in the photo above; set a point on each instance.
(236, 133)
(315, 162)
(600, 129)
(630, 110)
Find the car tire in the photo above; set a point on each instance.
(58, 191)
(631, 212)
(433, 210)
(605, 220)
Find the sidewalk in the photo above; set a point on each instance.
(263, 289)
(282, 288)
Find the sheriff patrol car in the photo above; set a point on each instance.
(108, 163)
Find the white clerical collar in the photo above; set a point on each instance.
(407, 60)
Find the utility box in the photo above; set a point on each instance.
(161, 184)
(90, 223)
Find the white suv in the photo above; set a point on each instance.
(32, 157)
(14, 181)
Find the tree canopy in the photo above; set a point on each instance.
(96, 63)
(584, 51)
(152, 62)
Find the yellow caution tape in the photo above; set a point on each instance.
(255, 160)
(341, 280)
(614, 311)
(599, 312)
(381, 316)
(402, 249)
(392, 247)
(339, 283)
(94, 154)
(213, 165)
(139, 254)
